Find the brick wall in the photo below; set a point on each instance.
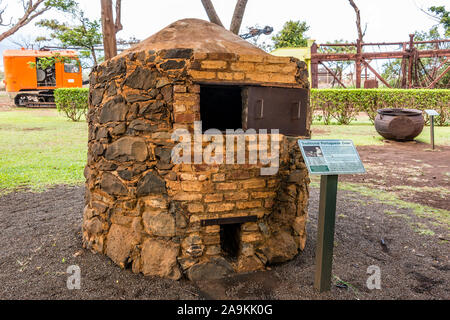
(270, 70)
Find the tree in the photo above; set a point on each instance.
(358, 20)
(110, 28)
(85, 35)
(32, 9)
(392, 72)
(211, 12)
(443, 17)
(359, 42)
(238, 14)
(292, 35)
(27, 41)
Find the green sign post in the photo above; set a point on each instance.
(328, 158)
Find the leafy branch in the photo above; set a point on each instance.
(48, 62)
(292, 35)
(85, 35)
(33, 9)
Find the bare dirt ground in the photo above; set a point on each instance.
(41, 237)
(411, 170)
(6, 103)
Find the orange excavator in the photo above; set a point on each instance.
(30, 84)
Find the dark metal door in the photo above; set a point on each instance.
(278, 108)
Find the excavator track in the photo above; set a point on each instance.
(37, 105)
(27, 100)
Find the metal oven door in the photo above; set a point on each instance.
(277, 108)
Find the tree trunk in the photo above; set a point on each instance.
(358, 63)
(314, 69)
(94, 56)
(118, 23)
(109, 30)
(238, 16)
(211, 12)
(358, 20)
(359, 44)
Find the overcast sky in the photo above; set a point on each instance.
(387, 20)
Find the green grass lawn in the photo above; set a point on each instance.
(40, 148)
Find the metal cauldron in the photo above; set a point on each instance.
(399, 124)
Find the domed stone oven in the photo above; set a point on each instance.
(202, 219)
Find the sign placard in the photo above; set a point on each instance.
(331, 157)
(431, 112)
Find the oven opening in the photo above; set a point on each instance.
(230, 239)
(221, 107)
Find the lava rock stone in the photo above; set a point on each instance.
(151, 183)
(113, 110)
(112, 185)
(127, 149)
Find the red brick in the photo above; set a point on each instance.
(191, 186)
(220, 207)
(248, 204)
(233, 196)
(195, 208)
(185, 117)
(253, 184)
(215, 197)
(215, 64)
(263, 195)
(226, 186)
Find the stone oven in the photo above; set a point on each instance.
(203, 220)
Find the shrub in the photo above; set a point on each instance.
(344, 104)
(73, 102)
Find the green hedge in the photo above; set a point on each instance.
(73, 102)
(344, 104)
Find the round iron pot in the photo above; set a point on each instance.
(399, 124)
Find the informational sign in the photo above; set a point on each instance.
(331, 157)
(431, 112)
(328, 158)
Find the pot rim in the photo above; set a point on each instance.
(399, 112)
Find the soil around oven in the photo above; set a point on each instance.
(410, 170)
(41, 238)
